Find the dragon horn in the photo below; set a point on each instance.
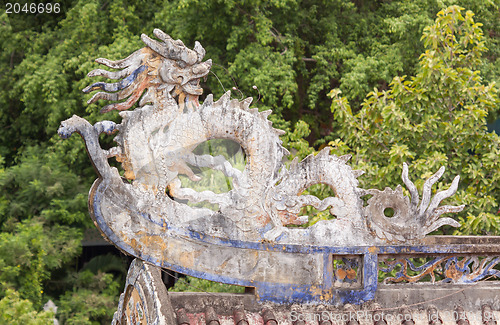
(199, 50)
(170, 49)
(162, 35)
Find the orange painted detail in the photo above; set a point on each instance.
(452, 272)
(134, 310)
(340, 274)
(351, 274)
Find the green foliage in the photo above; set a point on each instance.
(30, 251)
(436, 118)
(40, 184)
(295, 51)
(17, 311)
(93, 300)
(44, 185)
(107, 263)
(191, 284)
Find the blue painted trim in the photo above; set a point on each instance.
(117, 85)
(328, 270)
(312, 249)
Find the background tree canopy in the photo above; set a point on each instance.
(412, 81)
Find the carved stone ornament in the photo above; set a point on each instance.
(149, 213)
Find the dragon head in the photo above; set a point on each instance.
(167, 69)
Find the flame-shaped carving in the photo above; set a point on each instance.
(410, 220)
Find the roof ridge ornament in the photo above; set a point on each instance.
(148, 215)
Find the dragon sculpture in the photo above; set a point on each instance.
(157, 139)
(143, 209)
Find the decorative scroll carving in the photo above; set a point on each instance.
(410, 219)
(440, 269)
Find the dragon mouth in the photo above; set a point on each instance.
(193, 87)
(199, 71)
